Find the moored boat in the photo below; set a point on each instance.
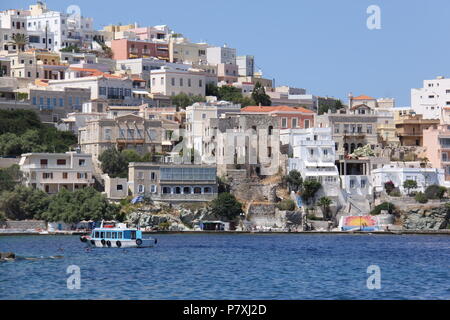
(111, 236)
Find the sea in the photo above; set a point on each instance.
(230, 266)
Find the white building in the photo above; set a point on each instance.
(51, 172)
(169, 81)
(217, 55)
(197, 117)
(432, 98)
(246, 65)
(103, 87)
(398, 173)
(67, 29)
(313, 154)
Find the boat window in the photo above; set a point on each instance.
(114, 235)
(102, 234)
(96, 234)
(108, 234)
(120, 235)
(133, 235)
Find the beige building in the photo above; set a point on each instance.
(127, 132)
(181, 50)
(51, 172)
(173, 182)
(170, 82)
(36, 64)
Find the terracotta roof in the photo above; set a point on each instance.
(363, 97)
(275, 109)
(95, 72)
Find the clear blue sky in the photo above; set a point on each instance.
(321, 45)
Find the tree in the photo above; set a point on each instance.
(286, 205)
(421, 197)
(182, 100)
(226, 205)
(259, 95)
(23, 203)
(83, 204)
(113, 163)
(294, 180)
(10, 177)
(309, 190)
(71, 48)
(212, 90)
(324, 203)
(387, 206)
(409, 184)
(435, 192)
(19, 40)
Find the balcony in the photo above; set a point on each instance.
(130, 140)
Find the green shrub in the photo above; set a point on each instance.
(421, 197)
(435, 192)
(389, 187)
(389, 207)
(286, 205)
(395, 194)
(312, 216)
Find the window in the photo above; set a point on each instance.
(307, 123)
(82, 162)
(65, 175)
(141, 188)
(119, 187)
(47, 175)
(61, 162)
(283, 122)
(200, 83)
(172, 81)
(44, 163)
(153, 188)
(369, 128)
(294, 122)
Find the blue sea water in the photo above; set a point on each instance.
(247, 266)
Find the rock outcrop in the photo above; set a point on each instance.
(426, 218)
(4, 256)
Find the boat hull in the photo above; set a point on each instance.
(148, 243)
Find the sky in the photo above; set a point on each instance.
(323, 46)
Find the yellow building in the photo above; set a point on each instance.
(409, 128)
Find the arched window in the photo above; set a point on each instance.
(352, 148)
(197, 190)
(177, 190)
(346, 147)
(187, 190)
(166, 190)
(207, 190)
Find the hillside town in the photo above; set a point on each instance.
(139, 124)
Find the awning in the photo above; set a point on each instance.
(140, 92)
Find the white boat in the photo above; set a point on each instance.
(120, 236)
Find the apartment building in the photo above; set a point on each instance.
(218, 55)
(102, 85)
(67, 29)
(173, 182)
(197, 117)
(127, 132)
(58, 101)
(351, 128)
(246, 65)
(181, 50)
(227, 73)
(312, 153)
(409, 127)
(36, 64)
(132, 49)
(287, 117)
(50, 172)
(430, 100)
(170, 82)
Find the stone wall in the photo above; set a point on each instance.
(426, 218)
(26, 224)
(268, 216)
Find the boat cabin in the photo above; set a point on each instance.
(116, 234)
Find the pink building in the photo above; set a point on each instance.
(127, 49)
(437, 143)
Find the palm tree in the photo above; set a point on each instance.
(19, 40)
(325, 204)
